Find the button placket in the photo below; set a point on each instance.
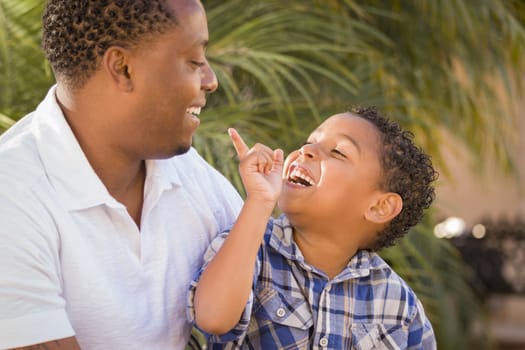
(323, 342)
(323, 301)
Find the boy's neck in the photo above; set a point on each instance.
(323, 251)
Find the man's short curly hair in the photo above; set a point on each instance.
(77, 33)
(406, 170)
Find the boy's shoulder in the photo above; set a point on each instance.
(379, 268)
(380, 272)
(387, 289)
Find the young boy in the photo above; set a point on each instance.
(354, 187)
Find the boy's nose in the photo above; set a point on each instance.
(308, 150)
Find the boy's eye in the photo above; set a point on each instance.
(339, 153)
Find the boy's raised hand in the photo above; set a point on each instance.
(260, 168)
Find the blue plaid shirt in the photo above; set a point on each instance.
(296, 306)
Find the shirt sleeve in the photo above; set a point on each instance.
(239, 330)
(221, 195)
(420, 333)
(32, 308)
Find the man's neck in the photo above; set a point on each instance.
(121, 173)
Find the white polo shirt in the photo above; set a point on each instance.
(73, 262)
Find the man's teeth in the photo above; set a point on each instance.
(297, 176)
(194, 111)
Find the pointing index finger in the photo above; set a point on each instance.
(238, 142)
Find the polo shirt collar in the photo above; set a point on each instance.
(76, 183)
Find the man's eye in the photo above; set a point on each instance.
(198, 63)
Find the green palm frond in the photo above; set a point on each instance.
(402, 56)
(5, 122)
(283, 52)
(430, 41)
(24, 73)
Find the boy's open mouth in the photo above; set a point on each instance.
(299, 177)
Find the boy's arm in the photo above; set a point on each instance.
(420, 333)
(225, 285)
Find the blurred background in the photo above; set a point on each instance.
(451, 71)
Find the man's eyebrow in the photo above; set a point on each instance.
(203, 43)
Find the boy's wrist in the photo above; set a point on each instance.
(263, 204)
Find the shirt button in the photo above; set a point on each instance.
(323, 342)
(281, 312)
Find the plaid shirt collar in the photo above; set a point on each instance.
(282, 241)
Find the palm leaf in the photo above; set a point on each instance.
(24, 74)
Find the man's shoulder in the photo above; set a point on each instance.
(193, 168)
(192, 162)
(19, 155)
(17, 136)
(24, 183)
(199, 177)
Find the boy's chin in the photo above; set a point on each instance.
(287, 206)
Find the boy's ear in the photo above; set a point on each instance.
(116, 62)
(386, 207)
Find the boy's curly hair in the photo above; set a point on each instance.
(77, 33)
(407, 171)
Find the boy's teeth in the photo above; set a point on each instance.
(297, 173)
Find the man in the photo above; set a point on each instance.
(105, 209)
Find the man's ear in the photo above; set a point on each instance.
(385, 207)
(116, 63)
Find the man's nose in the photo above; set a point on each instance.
(209, 81)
